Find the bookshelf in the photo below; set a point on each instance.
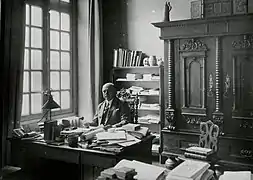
(148, 83)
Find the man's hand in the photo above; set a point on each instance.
(86, 124)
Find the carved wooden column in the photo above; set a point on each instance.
(218, 115)
(170, 112)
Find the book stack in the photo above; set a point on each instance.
(190, 170)
(125, 173)
(140, 133)
(198, 153)
(236, 175)
(122, 173)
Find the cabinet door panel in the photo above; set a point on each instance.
(243, 86)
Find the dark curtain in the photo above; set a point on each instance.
(90, 57)
(12, 49)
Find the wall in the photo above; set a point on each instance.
(127, 24)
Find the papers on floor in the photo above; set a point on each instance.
(188, 170)
(235, 175)
(144, 171)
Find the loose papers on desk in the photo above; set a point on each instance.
(117, 135)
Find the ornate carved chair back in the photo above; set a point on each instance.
(209, 133)
(134, 105)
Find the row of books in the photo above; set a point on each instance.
(198, 153)
(126, 57)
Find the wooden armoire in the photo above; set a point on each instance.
(209, 76)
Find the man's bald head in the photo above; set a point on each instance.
(109, 91)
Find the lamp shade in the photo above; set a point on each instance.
(50, 104)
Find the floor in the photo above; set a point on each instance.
(14, 173)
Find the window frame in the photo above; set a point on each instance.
(69, 8)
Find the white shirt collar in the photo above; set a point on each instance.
(109, 102)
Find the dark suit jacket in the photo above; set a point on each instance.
(118, 113)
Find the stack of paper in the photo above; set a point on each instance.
(188, 170)
(236, 175)
(144, 171)
(117, 135)
(108, 173)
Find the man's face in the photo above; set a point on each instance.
(108, 92)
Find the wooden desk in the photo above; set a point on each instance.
(26, 154)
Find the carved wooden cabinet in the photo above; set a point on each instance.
(208, 65)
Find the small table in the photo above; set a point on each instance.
(24, 153)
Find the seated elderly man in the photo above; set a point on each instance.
(112, 111)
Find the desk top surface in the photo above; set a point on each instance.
(88, 150)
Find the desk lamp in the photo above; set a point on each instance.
(49, 125)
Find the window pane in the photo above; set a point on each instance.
(26, 82)
(54, 20)
(36, 37)
(36, 16)
(36, 103)
(36, 81)
(27, 14)
(65, 61)
(65, 80)
(25, 105)
(54, 80)
(54, 40)
(27, 37)
(26, 59)
(65, 100)
(56, 97)
(36, 59)
(54, 60)
(65, 23)
(65, 41)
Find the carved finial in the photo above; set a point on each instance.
(167, 10)
(193, 45)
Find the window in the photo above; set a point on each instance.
(49, 57)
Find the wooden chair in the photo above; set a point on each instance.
(209, 133)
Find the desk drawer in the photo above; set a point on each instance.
(98, 160)
(54, 153)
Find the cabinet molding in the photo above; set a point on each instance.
(193, 77)
(246, 43)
